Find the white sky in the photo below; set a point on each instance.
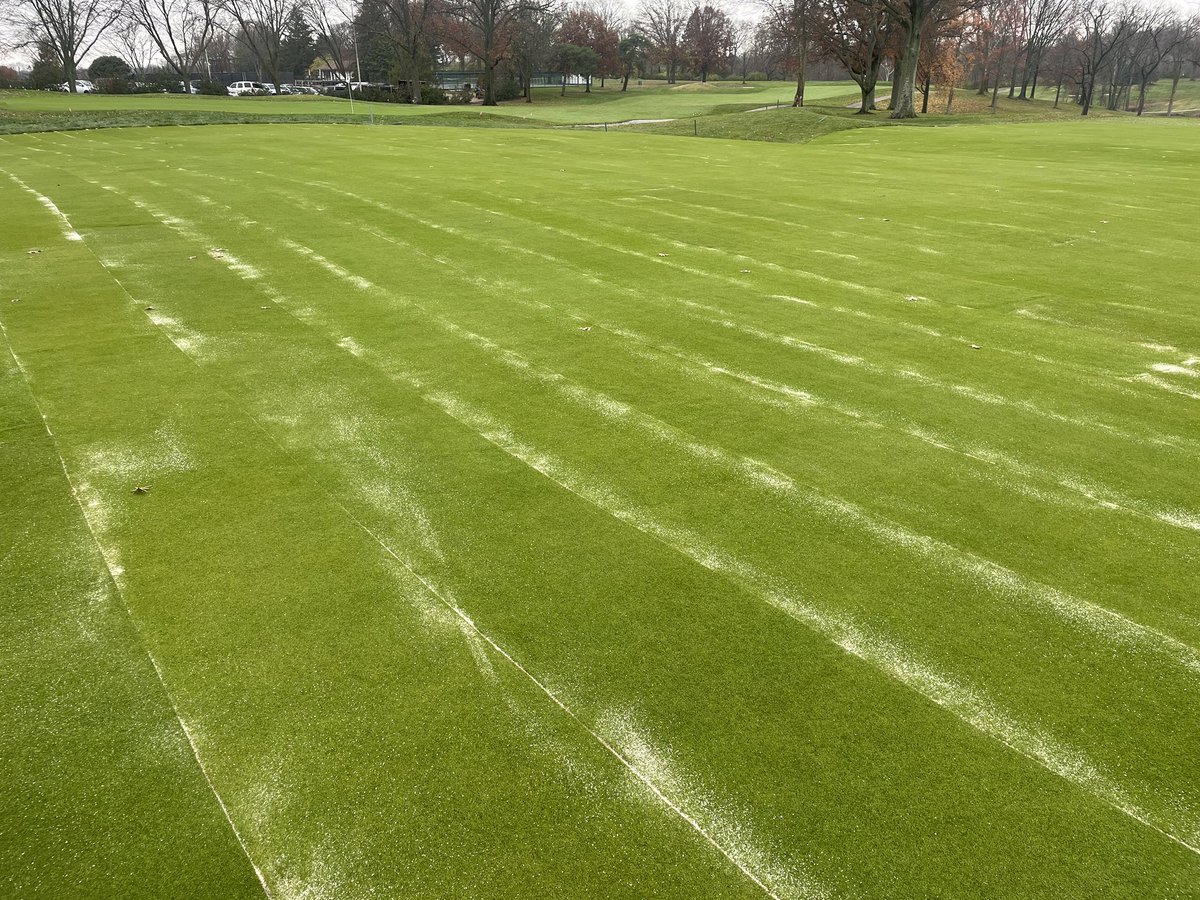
(738, 9)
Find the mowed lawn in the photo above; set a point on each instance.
(570, 514)
(653, 100)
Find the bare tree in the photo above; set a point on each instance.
(853, 33)
(794, 22)
(136, 46)
(332, 27)
(1161, 33)
(1046, 21)
(533, 46)
(409, 24)
(179, 29)
(663, 22)
(486, 29)
(1105, 26)
(261, 24)
(1186, 49)
(69, 28)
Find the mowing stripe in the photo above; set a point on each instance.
(1001, 581)
(1101, 496)
(966, 703)
(114, 579)
(67, 230)
(972, 393)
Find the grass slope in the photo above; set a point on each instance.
(646, 518)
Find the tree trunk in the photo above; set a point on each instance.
(1012, 79)
(925, 96)
(671, 72)
(490, 84)
(906, 76)
(868, 101)
(798, 100)
(625, 83)
(414, 89)
(1089, 86)
(1174, 87)
(563, 92)
(1057, 91)
(950, 99)
(1141, 104)
(1037, 68)
(587, 84)
(898, 61)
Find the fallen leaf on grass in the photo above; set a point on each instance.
(142, 489)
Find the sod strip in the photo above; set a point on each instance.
(103, 790)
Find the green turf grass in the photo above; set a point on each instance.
(571, 514)
(21, 109)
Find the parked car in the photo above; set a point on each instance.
(299, 89)
(341, 87)
(248, 89)
(81, 87)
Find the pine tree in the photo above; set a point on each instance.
(298, 49)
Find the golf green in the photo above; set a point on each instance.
(541, 513)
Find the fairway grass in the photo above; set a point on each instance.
(558, 513)
(48, 110)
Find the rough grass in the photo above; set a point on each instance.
(555, 513)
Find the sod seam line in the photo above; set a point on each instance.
(116, 585)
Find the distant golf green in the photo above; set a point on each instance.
(415, 512)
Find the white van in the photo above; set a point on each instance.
(247, 88)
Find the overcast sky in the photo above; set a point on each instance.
(739, 9)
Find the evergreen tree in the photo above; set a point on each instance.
(47, 68)
(298, 48)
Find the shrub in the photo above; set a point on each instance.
(109, 68)
(114, 86)
(757, 76)
(9, 78)
(213, 88)
(507, 88)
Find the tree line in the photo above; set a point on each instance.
(1098, 51)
